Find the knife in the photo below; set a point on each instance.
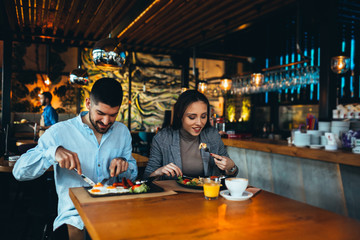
(86, 179)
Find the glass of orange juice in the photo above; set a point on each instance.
(211, 188)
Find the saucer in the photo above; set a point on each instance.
(226, 194)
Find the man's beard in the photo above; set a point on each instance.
(99, 130)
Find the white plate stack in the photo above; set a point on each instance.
(340, 127)
(301, 139)
(324, 126)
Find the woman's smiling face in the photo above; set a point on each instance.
(195, 118)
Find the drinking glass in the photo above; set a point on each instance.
(211, 188)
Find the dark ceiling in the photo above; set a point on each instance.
(161, 26)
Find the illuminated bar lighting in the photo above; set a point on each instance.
(352, 64)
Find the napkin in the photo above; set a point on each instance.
(253, 190)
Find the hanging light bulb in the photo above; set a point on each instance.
(79, 76)
(202, 86)
(225, 84)
(109, 53)
(257, 79)
(340, 64)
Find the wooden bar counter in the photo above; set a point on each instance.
(281, 147)
(325, 179)
(189, 216)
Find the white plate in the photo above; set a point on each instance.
(316, 146)
(226, 194)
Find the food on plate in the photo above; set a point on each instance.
(139, 188)
(126, 186)
(99, 184)
(202, 145)
(190, 182)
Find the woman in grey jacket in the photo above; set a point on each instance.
(175, 149)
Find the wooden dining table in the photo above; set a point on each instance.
(188, 215)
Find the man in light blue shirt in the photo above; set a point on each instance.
(92, 142)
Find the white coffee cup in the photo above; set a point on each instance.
(236, 186)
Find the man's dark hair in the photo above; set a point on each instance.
(47, 95)
(184, 100)
(107, 91)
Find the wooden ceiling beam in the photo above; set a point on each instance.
(141, 22)
(11, 15)
(32, 15)
(209, 12)
(220, 31)
(19, 14)
(25, 9)
(97, 18)
(216, 21)
(45, 25)
(71, 19)
(110, 14)
(121, 18)
(58, 15)
(90, 7)
(156, 25)
(39, 13)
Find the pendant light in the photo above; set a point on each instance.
(109, 53)
(340, 64)
(257, 79)
(202, 86)
(225, 84)
(79, 76)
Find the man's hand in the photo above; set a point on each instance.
(67, 159)
(117, 166)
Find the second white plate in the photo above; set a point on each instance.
(226, 194)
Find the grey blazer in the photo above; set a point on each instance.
(165, 149)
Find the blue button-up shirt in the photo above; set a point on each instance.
(50, 115)
(95, 159)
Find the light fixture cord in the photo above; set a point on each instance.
(111, 23)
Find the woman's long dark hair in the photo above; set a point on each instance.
(184, 100)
